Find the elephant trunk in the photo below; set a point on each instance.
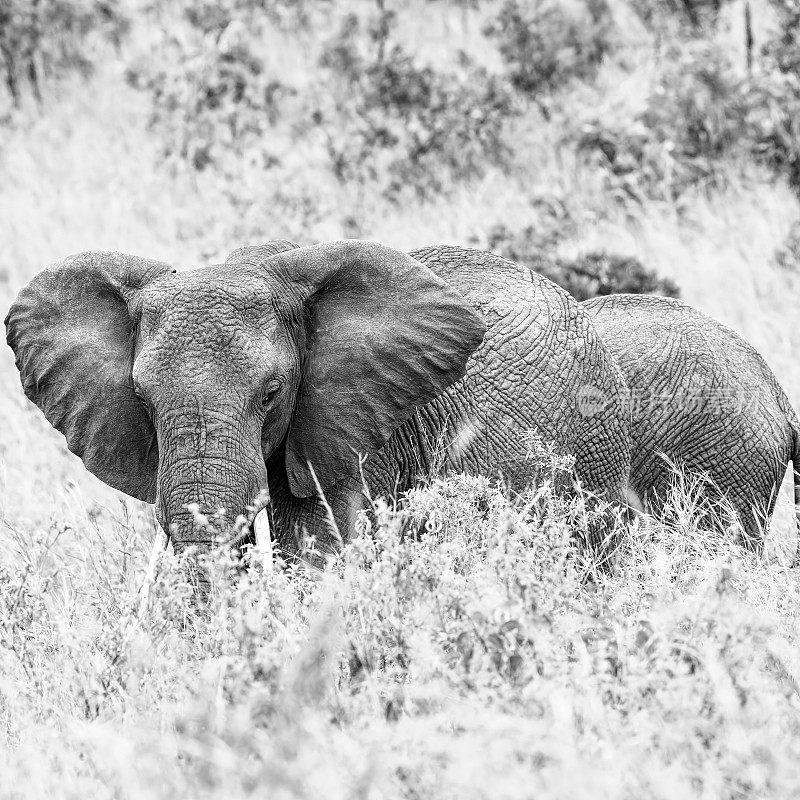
(184, 510)
(206, 469)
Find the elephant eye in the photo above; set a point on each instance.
(269, 393)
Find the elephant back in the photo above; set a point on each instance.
(702, 396)
(636, 328)
(542, 367)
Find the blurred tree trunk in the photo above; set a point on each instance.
(748, 37)
(11, 74)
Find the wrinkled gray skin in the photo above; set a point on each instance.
(705, 398)
(209, 385)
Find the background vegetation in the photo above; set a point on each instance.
(644, 145)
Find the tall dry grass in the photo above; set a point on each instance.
(460, 648)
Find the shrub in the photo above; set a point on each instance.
(700, 115)
(595, 274)
(383, 117)
(774, 97)
(774, 124)
(691, 16)
(41, 39)
(213, 101)
(788, 255)
(545, 44)
(587, 276)
(696, 115)
(696, 107)
(401, 124)
(214, 16)
(784, 51)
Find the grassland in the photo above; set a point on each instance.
(484, 658)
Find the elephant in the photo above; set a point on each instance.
(704, 398)
(311, 372)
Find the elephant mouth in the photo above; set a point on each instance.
(207, 523)
(259, 536)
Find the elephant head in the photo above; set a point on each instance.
(180, 387)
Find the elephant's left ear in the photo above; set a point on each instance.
(73, 332)
(383, 336)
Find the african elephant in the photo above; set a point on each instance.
(302, 370)
(701, 395)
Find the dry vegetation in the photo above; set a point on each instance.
(462, 647)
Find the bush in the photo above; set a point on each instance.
(545, 45)
(587, 276)
(784, 51)
(596, 274)
(774, 124)
(42, 39)
(700, 115)
(787, 256)
(214, 16)
(774, 97)
(696, 115)
(696, 110)
(402, 125)
(383, 117)
(691, 16)
(214, 102)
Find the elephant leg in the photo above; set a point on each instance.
(754, 507)
(602, 463)
(753, 520)
(329, 519)
(602, 529)
(652, 479)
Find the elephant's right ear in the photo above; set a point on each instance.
(382, 335)
(73, 332)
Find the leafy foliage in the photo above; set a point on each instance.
(774, 125)
(691, 16)
(419, 127)
(596, 274)
(587, 276)
(700, 116)
(546, 44)
(388, 119)
(788, 255)
(41, 39)
(214, 16)
(775, 98)
(215, 102)
(384, 118)
(784, 50)
(696, 115)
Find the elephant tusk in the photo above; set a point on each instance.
(159, 546)
(263, 535)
